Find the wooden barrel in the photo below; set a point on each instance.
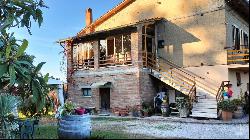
(74, 127)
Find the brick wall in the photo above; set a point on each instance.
(124, 90)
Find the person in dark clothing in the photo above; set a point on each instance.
(246, 106)
(158, 103)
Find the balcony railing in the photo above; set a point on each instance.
(84, 64)
(114, 60)
(238, 56)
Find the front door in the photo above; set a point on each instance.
(105, 98)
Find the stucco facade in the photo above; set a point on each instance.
(195, 35)
(192, 28)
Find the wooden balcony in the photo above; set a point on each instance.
(83, 64)
(238, 56)
(119, 59)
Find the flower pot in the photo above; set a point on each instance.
(117, 113)
(183, 112)
(140, 114)
(135, 114)
(238, 113)
(227, 116)
(145, 114)
(74, 127)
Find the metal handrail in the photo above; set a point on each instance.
(218, 95)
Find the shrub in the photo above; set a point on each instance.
(181, 103)
(226, 106)
(237, 102)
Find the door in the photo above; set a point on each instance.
(105, 98)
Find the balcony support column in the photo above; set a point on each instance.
(96, 46)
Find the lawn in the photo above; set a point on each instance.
(50, 132)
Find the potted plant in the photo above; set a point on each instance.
(238, 112)
(133, 111)
(182, 106)
(145, 112)
(227, 107)
(74, 120)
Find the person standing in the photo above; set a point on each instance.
(229, 91)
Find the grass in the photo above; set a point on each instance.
(46, 132)
(50, 132)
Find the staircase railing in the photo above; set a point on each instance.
(221, 88)
(192, 96)
(172, 73)
(201, 81)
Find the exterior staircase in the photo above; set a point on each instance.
(206, 105)
(202, 91)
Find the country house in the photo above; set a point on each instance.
(141, 47)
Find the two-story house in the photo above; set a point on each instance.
(140, 47)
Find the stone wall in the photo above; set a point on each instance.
(124, 90)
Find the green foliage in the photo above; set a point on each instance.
(67, 109)
(19, 13)
(182, 102)
(237, 102)
(226, 105)
(18, 75)
(8, 104)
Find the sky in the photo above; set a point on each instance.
(63, 19)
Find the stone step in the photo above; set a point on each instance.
(205, 106)
(200, 108)
(206, 102)
(205, 115)
(205, 110)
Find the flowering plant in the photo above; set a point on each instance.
(70, 108)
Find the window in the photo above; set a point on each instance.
(127, 43)
(245, 40)
(238, 77)
(87, 92)
(110, 47)
(240, 38)
(118, 44)
(247, 86)
(236, 38)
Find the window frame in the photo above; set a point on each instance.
(89, 92)
(238, 78)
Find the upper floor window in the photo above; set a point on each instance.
(83, 55)
(245, 40)
(240, 38)
(115, 50)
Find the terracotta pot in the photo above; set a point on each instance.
(117, 113)
(123, 114)
(145, 114)
(227, 116)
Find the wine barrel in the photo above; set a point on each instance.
(74, 127)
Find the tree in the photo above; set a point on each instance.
(18, 75)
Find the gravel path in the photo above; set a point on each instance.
(165, 129)
(189, 130)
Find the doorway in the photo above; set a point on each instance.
(105, 99)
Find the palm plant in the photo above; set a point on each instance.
(8, 105)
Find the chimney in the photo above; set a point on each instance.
(88, 16)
